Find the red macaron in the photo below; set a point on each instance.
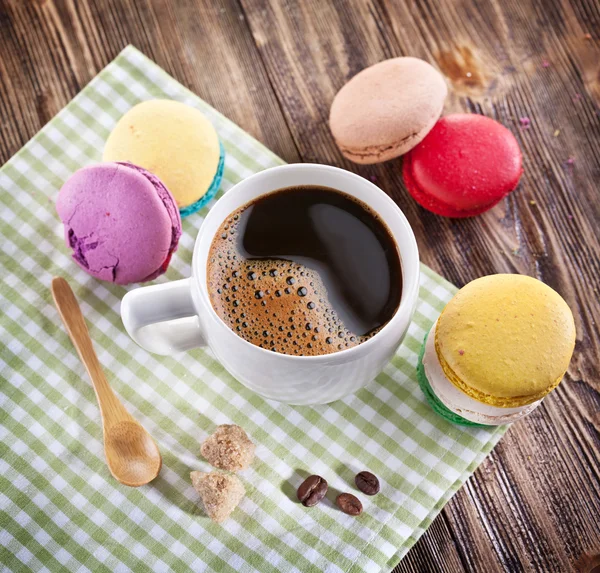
(465, 165)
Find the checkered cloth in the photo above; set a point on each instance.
(60, 509)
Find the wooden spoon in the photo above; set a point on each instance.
(131, 453)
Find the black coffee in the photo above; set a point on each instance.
(305, 271)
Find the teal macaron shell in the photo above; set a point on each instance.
(212, 190)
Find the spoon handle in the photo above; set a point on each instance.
(111, 408)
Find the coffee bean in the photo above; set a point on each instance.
(367, 483)
(312, 490)
(349, 504)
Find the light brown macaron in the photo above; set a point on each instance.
(386, 109)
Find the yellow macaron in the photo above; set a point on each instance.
(177, 143)
(505, 340)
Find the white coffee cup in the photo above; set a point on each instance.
(177, 316)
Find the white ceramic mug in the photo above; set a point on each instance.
(177, 316)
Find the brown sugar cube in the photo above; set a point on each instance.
(220, 493)
(229, 448)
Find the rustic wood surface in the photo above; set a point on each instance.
(273, 67)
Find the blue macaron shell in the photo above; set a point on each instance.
(212, 190)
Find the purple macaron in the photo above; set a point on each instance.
(121, 222)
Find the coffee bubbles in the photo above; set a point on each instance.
(292, 321)
(282, 304)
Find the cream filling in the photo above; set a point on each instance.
(459, 402)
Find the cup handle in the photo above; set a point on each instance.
(162, 318)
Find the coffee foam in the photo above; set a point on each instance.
(277, 304)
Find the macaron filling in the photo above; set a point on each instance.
(460, 403)
(211, 191)
(379, 152)
(436, 404)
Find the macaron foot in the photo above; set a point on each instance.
(435, 205)
(436, 405)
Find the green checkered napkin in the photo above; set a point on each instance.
(59, 506)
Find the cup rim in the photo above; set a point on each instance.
(410, 276)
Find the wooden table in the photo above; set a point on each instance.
(273, 67)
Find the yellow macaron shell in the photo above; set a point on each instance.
(174, 141)
(505, 340)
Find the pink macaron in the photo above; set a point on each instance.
(464, 166)
(386, 109)
(121, 222)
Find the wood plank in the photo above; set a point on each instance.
(50, 49)
(534, 503)
(437, 551)
(551, 510)
(507, 60)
